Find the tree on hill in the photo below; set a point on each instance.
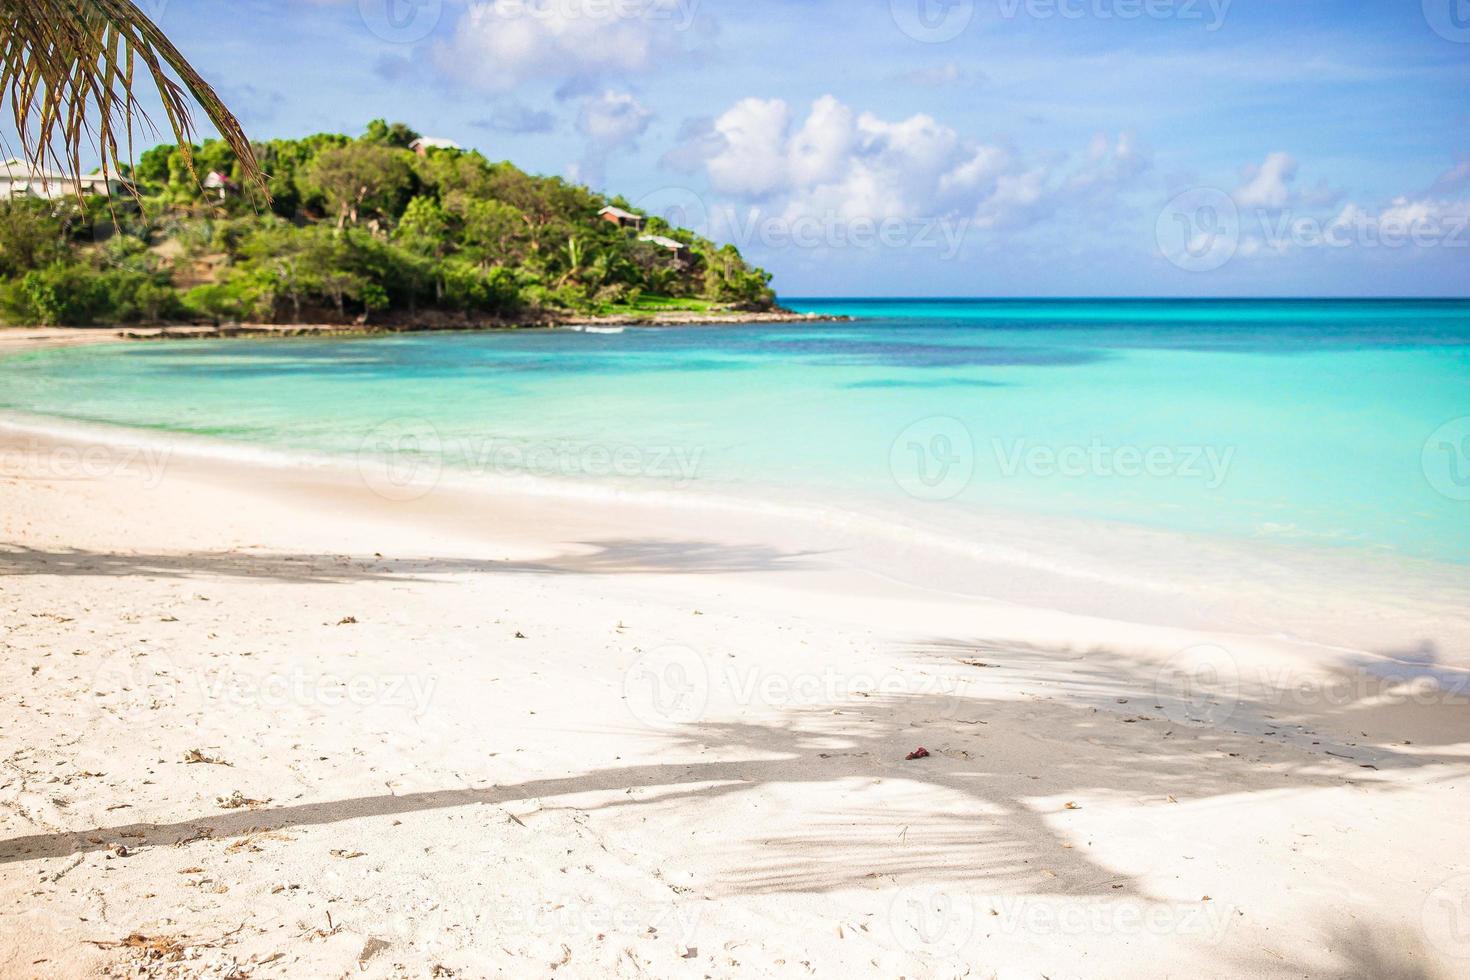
(362, 177)
(357, 229)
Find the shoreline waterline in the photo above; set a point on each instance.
(1340, 602)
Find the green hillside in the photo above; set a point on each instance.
(357, 231)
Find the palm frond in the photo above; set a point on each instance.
(67, 68)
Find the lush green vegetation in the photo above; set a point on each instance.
(363, 231)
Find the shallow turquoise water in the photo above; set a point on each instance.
(1311, 423)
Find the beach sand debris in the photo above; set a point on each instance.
(237, 799)
(54, 617)
(196, 757)
(153, 947)
(1074, 806)
(331, 930)
(371, 948)
(251, 842)
(347, 621)
(346, 855)
(919, 753)
(978, 663)
(520, 635)
(196, 834)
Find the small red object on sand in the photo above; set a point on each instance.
(919, 753)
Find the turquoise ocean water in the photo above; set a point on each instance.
(1334, 424)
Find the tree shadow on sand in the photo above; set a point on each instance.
(642, 556)
(1015, 734)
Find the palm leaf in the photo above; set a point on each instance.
(67, 68)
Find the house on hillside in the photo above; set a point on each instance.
(424, 144)
(623, 219)
(20, 179)
(221, 184)
(679, 250)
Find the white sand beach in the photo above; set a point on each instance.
(263, 722)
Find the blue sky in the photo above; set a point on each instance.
(930, 147)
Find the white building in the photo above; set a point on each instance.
(678, 248)
(19, 179)
(424, 144)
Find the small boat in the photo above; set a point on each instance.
(603, 329)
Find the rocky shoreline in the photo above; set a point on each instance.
(19, 338)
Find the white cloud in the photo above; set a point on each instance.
(1269, 185)
(749, 157)
(609, 122)
(499, 44)
(1404, 225)
(1406, 221)
(854, 166)
(613, 120)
